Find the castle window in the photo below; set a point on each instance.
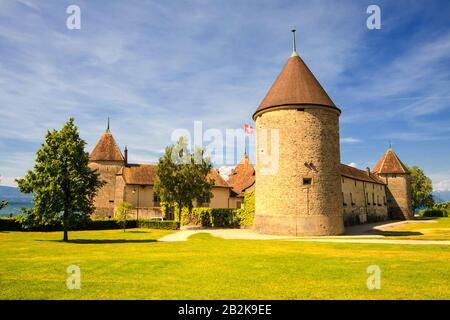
(351, 199)
(156, 200)
(307, 181)
(355, 183)
(300, 109)
(238, 204)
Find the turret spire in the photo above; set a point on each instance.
(294, 45)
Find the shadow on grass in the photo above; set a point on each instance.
(398, 233)
(102, 241)
(137, 231)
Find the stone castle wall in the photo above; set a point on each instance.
(399, 195)
(105, 200)
(303, 196)
(363, 201)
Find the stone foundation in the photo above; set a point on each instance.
(320, 225)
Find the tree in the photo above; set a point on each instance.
(181, 177)
(62, 183)
(422, 188)
(121, 211)
(3, 204)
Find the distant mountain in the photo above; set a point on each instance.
(16, 200)
(441, 196)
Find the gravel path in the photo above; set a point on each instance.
(357, 234)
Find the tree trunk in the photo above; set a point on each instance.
(64, 223)
(179, 212)
(66, 237)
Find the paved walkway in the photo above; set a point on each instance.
(387, 241)
(244, 234)
(357, 234)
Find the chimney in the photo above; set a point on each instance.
(125, 151)
(368, 171)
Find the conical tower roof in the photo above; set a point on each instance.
(390, 163)
(106, 149)
(295, 85)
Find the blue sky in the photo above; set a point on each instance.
(155, 66)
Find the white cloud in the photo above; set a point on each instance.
(442, 185)
(352, 164)
(8, 181)
(350, 140)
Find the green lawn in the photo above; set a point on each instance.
(131, 265)
(429, 229)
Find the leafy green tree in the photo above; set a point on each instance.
(121, 212)
(422, 188)
(182, 178)
(62, 183)
(3, 204)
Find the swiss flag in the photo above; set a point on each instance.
(248, 129)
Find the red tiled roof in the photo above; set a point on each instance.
(145, 174)
(141, 174)
(242, 176)
(390, 163)
(357, 174)
(106, 149)
(295, 85)
(214, 175)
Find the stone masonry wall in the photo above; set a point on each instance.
(105, 199)
(363, 201)
(298, 198)
(399, 195)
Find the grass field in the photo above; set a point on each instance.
(429, 229)
(131, 265)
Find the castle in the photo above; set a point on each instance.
(309, 193)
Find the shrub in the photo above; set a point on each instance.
(442, 205)
(434, 213)
(210, 217)
(158, 224)
(10, 224)
(19, 224)
(246, 214)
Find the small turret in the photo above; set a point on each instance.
(107, 159)
(398, 179)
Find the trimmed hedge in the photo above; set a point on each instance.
(211, 217)
(158, 224)
(434, 213)
(10, 224)
(15, 224)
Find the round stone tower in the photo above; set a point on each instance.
(298, 183)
